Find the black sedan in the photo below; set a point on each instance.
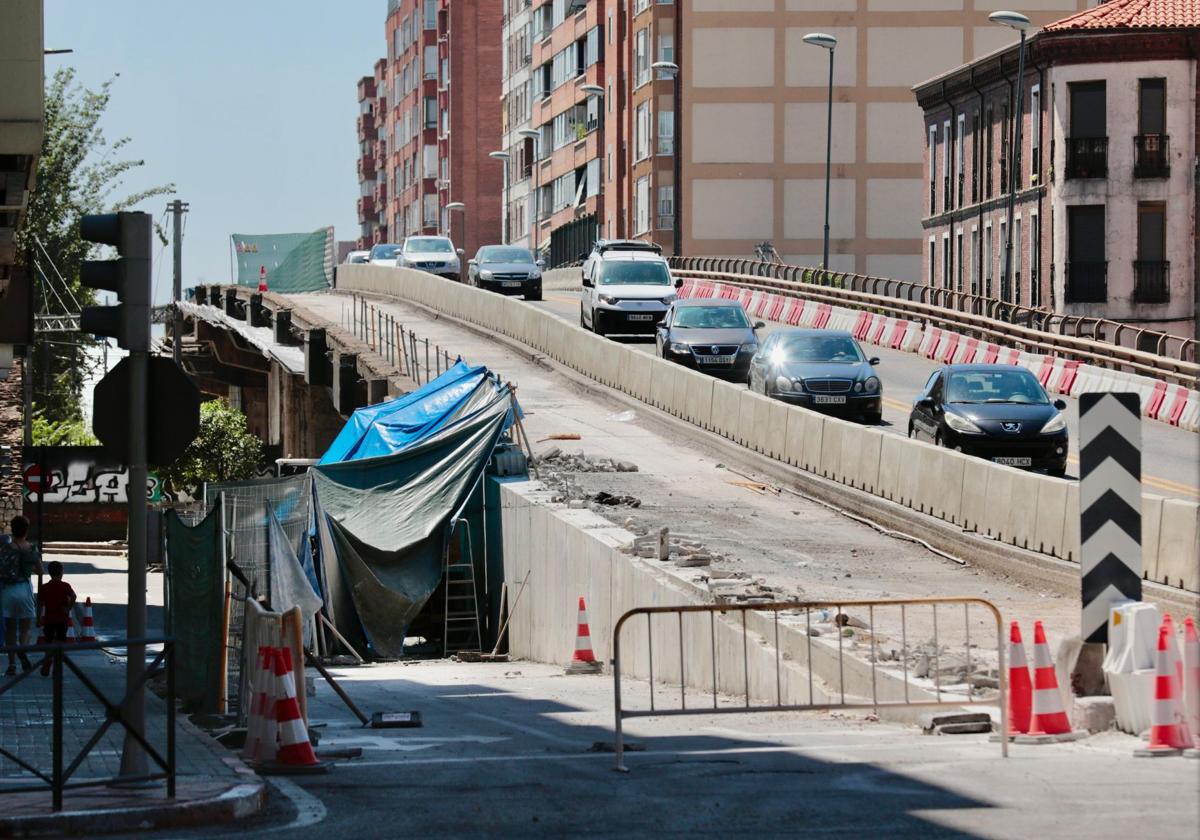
(712, 336)
(506, 269)
(825, 370)
(999, 412)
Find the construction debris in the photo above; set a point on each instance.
(562, 436)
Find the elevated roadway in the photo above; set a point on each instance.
(1170, 455)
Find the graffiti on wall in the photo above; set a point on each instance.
(79, 475)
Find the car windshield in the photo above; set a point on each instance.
(633, 273)
(428, 245)
(710, 317)
(358, 258)
(999, 386)
(820, 348)
(503, 255)
(385, 252)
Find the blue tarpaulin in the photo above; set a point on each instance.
(389, 427)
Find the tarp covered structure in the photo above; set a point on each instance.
(385, 524)
(388, 427)
(295, 262)
(196, 591)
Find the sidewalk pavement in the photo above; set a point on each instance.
(212, 785)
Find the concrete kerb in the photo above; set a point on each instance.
(1151, 534)
(1022, 508)
(1179, 544)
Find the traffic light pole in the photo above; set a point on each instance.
(177, 208)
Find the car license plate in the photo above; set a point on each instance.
(641, 317)
(719, 360)
(1014, 462)
(823, 399)
(511, 284)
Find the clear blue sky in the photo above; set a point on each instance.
(247, 107)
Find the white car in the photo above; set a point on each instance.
(357, 258)
(435, 254)
(626, 292)
(385, 253)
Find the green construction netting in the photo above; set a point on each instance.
(196, 588)
(295, 262)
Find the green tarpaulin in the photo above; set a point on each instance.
(196, 588)
(388, 520)
(294, 262)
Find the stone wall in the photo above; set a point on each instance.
(12, 419)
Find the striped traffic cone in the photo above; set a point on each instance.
(1191, 683)
(1020, 689)
(583, 661)
(261, 728)
(71, 638)
(88, 630)
(295, 753)
(1168, 735)
(1049, 722)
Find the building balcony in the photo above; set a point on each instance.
(1087, 281)
(366, 88)
(1087, 157)
(1151, 281)
(381, 193)
(1151, 156)
(366, 127)
(366, 209)
(366, 167)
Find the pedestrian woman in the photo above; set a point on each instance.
(19, 561)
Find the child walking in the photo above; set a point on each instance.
(56, 599)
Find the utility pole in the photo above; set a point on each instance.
(177, 208)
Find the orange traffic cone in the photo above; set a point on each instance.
(583, 661)
(88, 631)
(1049, 722)
(261, 728)
(295, 751)
(1168, 735)
(71, 638)
(1191, 682)
(1020, 689)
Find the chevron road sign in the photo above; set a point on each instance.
(1110, 506)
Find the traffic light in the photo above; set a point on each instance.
(128, 275)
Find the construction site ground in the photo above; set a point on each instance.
(688, 482)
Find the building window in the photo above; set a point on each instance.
(932, 171)
(666, 132)
(431, 112)
(1087, 267)
(641, 206)
(1017, 249)
(976, 161)
(431, 62)
(1087, 145)
(932, 262)
(666, 207)
(959, 153)
(974, 260)
(946, 261)
(988, 257)
(1035, 133)
(1151, 270)
(1035, 260)
(641, 132)
(958, 252)
(947, 146)
(666, 51)
(641, 57)
(990, 153)
(1152, 151)
(429, 18)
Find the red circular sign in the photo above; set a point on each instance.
(33, 479)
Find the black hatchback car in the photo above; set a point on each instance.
(711, 335)
(825, 370)
(998, 412)
(507, 269)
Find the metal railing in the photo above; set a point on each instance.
(1087, 157)
(1152, 156)
(418, 359)
(1151, 281)
(1097, 341)
(58, 656)
(907, 695)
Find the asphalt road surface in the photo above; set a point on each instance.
(1170, 456)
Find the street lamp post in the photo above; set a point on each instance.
(457, 206)
(672, 68)
(536, 136)
(826, 42)
(503, 157)
(1017, 21)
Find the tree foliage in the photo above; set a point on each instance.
(62, 432)
(79, 172)
(223, 450)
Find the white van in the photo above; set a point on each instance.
(626, 292)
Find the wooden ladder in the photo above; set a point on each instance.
(461, 629)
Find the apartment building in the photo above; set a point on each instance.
(436, 101)
(1104, 220)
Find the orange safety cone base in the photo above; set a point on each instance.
(1157, 752)
(1191, 753)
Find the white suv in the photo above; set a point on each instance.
(625, 292)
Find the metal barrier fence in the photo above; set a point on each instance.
(894, 697)
(401, 348)
(59, 656)
(927, 300)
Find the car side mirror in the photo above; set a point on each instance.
(678, 282)
(925, 403)
(1061, 405)
(583, 257)
(587, 282)
(874, 360)
(541, 263)
(758, 325)
(472, 263)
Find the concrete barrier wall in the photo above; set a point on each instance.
(563, 278)
(1024, 509)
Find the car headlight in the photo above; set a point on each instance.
(858, 386)
(669, 299)
(961, 424)
(783, 383)
(535, 275)
(680, 347)
(485, 274)
(871, 385)
(750, 347)
(609, 299)
(1055, 424)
